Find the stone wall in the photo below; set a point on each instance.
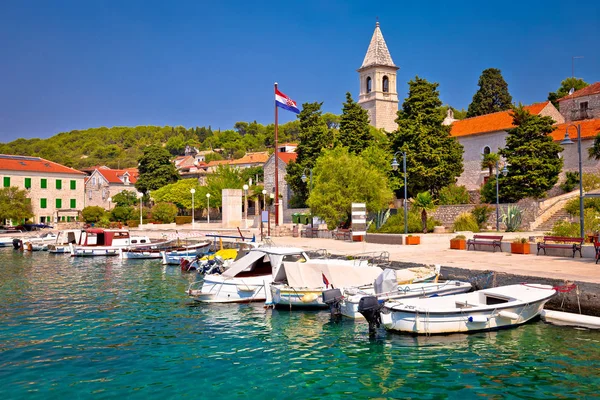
(269, 178)
(473, 175)
(569, 108)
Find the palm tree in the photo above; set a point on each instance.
(594, 151)
(424, 202)
(489, 161)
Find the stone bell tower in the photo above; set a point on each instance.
(377, 76)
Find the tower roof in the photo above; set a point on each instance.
(378, 53)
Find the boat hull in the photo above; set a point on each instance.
(94, 251)
(286, 297)
(219, 289)
(174, 257)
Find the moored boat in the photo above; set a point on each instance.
(63, 239)
(482, 310)
(104, 242)
(188, 252)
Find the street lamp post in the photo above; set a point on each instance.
(303, 178)
(208, 208)
(504, 173)
(272, 197)
(264, 192)
(140, 195)
(395, 168)
(192, 191)
(567, 141)
(246, 206)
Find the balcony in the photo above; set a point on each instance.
(581, 114)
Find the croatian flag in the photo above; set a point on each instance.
(281, 100)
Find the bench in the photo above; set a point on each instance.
(309, 232)
(342, 234)
(485, 240)
(551, 242)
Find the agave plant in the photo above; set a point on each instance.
(382, 217)
(512, 218)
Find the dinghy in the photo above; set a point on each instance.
(571, 319)
(482, 310)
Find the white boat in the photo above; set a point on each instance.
(37, 243)
(386, 288)
(300, 284)
(187, 252)
(570, 319)
(482, 310)
(151, 250)
(64, 238)
(103, 242)
(6, 241)
(247, 278)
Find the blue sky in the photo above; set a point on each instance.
(78, 64)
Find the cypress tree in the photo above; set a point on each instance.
(492, 95)
(355, 133)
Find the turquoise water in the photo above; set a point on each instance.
(99, 328)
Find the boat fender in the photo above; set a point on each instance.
(508, 315)
(309, 297)
(478, 318)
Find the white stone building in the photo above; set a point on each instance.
(104, 182)
(269, 172)
(56, 191)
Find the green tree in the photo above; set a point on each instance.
(424, 203)
(492, 95)
(594, 151)
(225, 177)
(121, 213)
(454, 194)
(125, 198)
(489, 161)
(458, 114)
(164, 212)
(155, 169)
(92, 214)
(179, 193)
(14, 204)
(355, 133)
(341, 178)
(434, 158)
(532, 156)
(565, 86)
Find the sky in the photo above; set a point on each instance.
(69, 65)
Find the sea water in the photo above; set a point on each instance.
(103, 328)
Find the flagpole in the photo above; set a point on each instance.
(276, 164)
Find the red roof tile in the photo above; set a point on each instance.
(34, 164)
(498, 121)
(287, 157)
(589, 129)
(594, 88)
(116, 175)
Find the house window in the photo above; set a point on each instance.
(58, 203)
(583, 106)
(486, 150)
(7, 181)
(89, 194)
(94, 180)
(73, 203)
(27, 183)
(43, 183)
(369, 84)
(385, 84)
(59, 183)
(73, 184)
(43, 203)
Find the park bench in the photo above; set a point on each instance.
(342, 234)
(309, 232)
(485, 240)
(561, 242)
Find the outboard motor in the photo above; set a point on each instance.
(333, 298)
(186, 266)
(370, 308)
(17, 243)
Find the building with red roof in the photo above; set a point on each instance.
(104, 182)
(56, 191)
(582, 105)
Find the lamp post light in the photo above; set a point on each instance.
(567, 141)
(504, 172)
(272, 197)
(109, 201)
(264, 192)
(208, 208)
(246, 206)
(192, 191)
(304, 178)
(395, 166)
(140, 195)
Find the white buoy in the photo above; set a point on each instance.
(570, 319)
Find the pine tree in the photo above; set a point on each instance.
(155, 169)
(355, 133)
(532, 156)
(434, 158)
(492, 95)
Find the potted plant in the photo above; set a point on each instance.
(519, 246)
(410, 239)
(459, 242)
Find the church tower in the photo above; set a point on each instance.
(378, 93)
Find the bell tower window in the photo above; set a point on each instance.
(369, 88)
(385, 84)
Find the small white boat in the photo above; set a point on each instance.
(386, 288)
(187, 252)
(37, 243)
(6, 241)
(482, 310)
(571, 319)
(104, 242)
(64, 238)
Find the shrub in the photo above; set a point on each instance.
(565, 228)
(512, 218)
(519, 240)
(460, 237)
(133, 223)
(183, 219)
(164, 212)
(571, 181)
(481, 214)
(454, 194)
(488, 191)
(121, 213)
(395, 224)
(465, 222)
(572, 206)
(92, 214)
(591, 181)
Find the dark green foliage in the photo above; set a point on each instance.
(532, 156)
(594, 151)
(121, 213)
(482, 214)
(572, 206)
(256, 173)
(571, 181)
(492, 95)
(565, 86)
(354, 132)
(434, 158)
(458, 114)
(489, 161)
(164, 212)
(14, 204)
(488, 190)
(92, 214)
(155, 169)
(454, 194)
(125, 198)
